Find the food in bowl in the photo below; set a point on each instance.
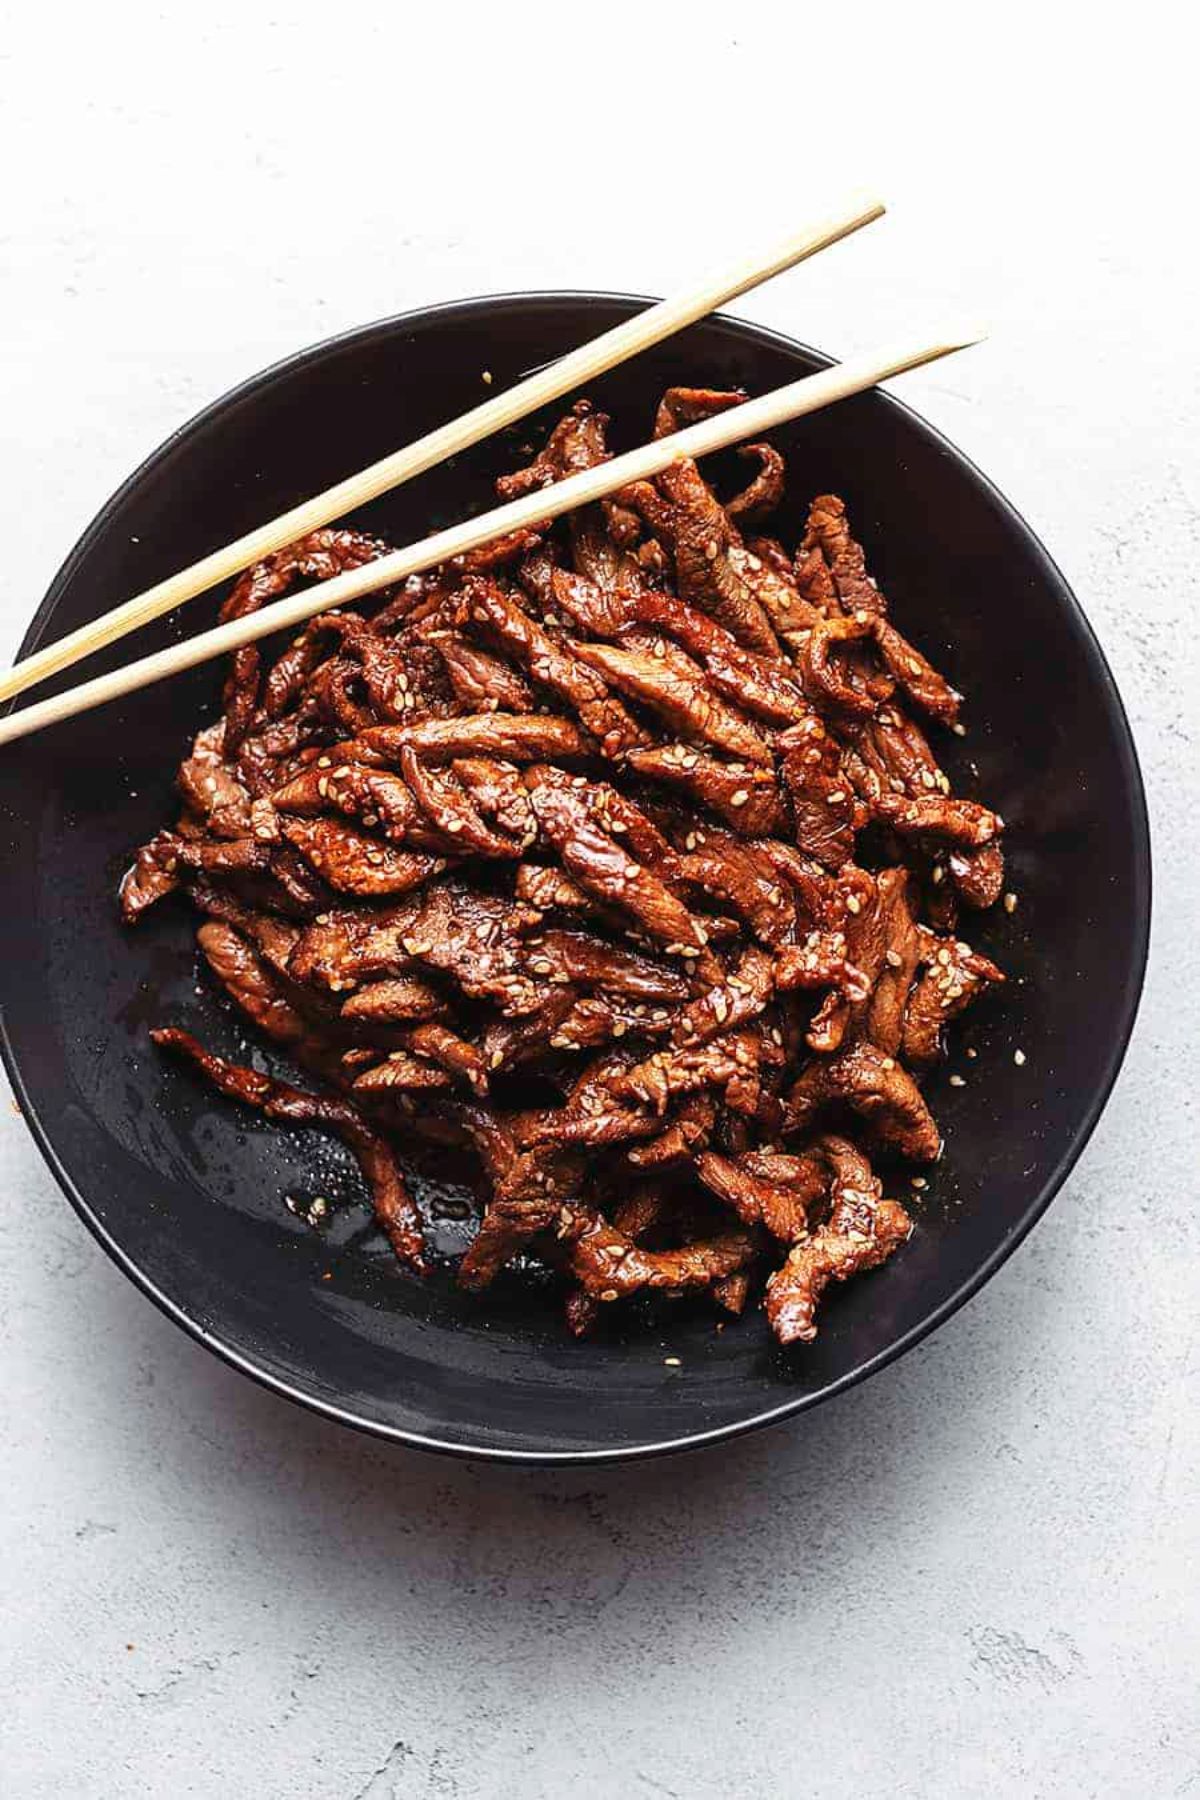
(615, 856)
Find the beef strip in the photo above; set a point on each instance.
(603, 868)
(755, 1200)
(395, 1211)
(482, 682)
(552, 665)
(954, 976)
(667, 681)
(355, 862)
(745, 798)
(876, 1087)
(862, 1231)
(609, 1266)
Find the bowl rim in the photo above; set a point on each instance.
(1140, 919)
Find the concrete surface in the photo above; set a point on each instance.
(978, 1573)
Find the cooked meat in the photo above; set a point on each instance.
(394, 1208)
(381, 800)
(877, 1088)
(153, 874)
(608, 1264)
(765, 491)
(825, 812)
(635, 1215)
(499, 793)
(978, 875)
(476, 939)
(318, 557)
(575, 444)
(667, 681)
(689, 1131)
(450, 808)
(354, 862)
(244, 976)
(524, 737)
(939, 817)
(348, 945)
(862, 1231)
(766, 686)
(954, 976)
(552, 665)
(401, 1072)
(745, 877)
(400, 1000)
(747, 798)
(591, 962)
(732, 1002)
(755, 1200)
(612, 857)
(482, 682)
(603, 868)
(669, 1075)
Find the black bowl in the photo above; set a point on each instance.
(186, 1192)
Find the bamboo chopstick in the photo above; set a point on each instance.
(748, 420)
(558, 378)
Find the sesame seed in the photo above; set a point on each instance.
(1010, 903)
(739, 797)
(609, 1294)
(959, 729)
(853, 903)
(957, 1081)
(1019, 1058)
(919, 1182)
(894, 958)
(486, 377)
(672, 1362)
(972, 1054)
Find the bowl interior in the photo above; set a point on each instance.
(188, 1191)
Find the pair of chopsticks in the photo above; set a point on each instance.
(580, 366)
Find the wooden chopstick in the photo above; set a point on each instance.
(549, 383)
(750, 419)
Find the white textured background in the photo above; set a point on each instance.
(977, 1573)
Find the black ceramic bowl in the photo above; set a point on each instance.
(186, 1191)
